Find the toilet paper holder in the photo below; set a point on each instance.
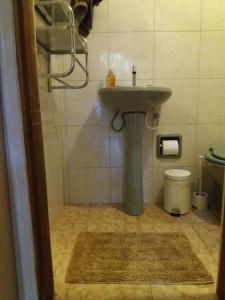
(168, 137)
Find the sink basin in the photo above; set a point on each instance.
(134, 98)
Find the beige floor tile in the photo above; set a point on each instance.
(209, 264)
(106, 213)
(131, 219)
(196, 217)
(197, 245)
(215, 256)
(210, 235)
(66, 225)
(109, 226)
(183, 292)
(109, 292)
(60, 263)
(132, 227)
(109, 217)
(63, 240)
(61, 291)
(154, 214)
(201, 229)
(71, 214)
(111, 212)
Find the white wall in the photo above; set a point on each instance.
(52, 141)
(174, 43)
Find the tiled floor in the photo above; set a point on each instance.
(203, 231)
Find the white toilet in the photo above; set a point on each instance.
(177, 191)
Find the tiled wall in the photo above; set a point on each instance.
(52, 143)
(174, 43)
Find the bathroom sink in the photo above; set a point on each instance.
(135, 98)
(134, 102)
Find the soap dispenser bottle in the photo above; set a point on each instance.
(110, 79)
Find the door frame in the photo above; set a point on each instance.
(221, 265)
(15, 158)
(36, 188)
(24, 25)
(24, 149)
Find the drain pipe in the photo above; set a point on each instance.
(113, 121)
(152, 119)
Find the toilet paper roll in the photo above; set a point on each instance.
(170, 147)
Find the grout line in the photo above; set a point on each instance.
(83, 125)
(161, 31)
(109, 140)
(154, 44)
(198, 95)
(154, 79)
(202, 239)
(152, 133)
(108, 40)
(110, 166)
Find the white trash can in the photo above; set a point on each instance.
(177, 191)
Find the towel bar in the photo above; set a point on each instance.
(59, 36)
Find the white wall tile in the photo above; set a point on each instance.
(100, 20)
(131, 15)
(89, 185)
(177, 15)
(66, 185)
(117, 148)
(52, 151)
(54, 63)
(98, 55)
(211, 107)
(87, 147)
(64, 63)
(127, 49)
(181, 107)
(117, 185)
(140, 82)
(158, 183)
(47, 108)
(64, 141)
(147, 141)
(55, 196)
(147, 184)
(213, 15)
(47, 100)
(188, 133)
(209, 135)
(84, 108)
(50, 120)
(177, 55)
(172, 59)
(60, 107)
(212, 55)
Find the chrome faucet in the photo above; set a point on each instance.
(134, 73)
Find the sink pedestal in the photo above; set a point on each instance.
(133, 196)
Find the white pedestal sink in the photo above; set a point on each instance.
(134, 102)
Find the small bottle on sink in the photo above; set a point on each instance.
(110, 79)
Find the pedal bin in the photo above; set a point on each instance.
(177, 191)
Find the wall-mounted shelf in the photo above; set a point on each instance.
(56, 40)
(58, 35)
